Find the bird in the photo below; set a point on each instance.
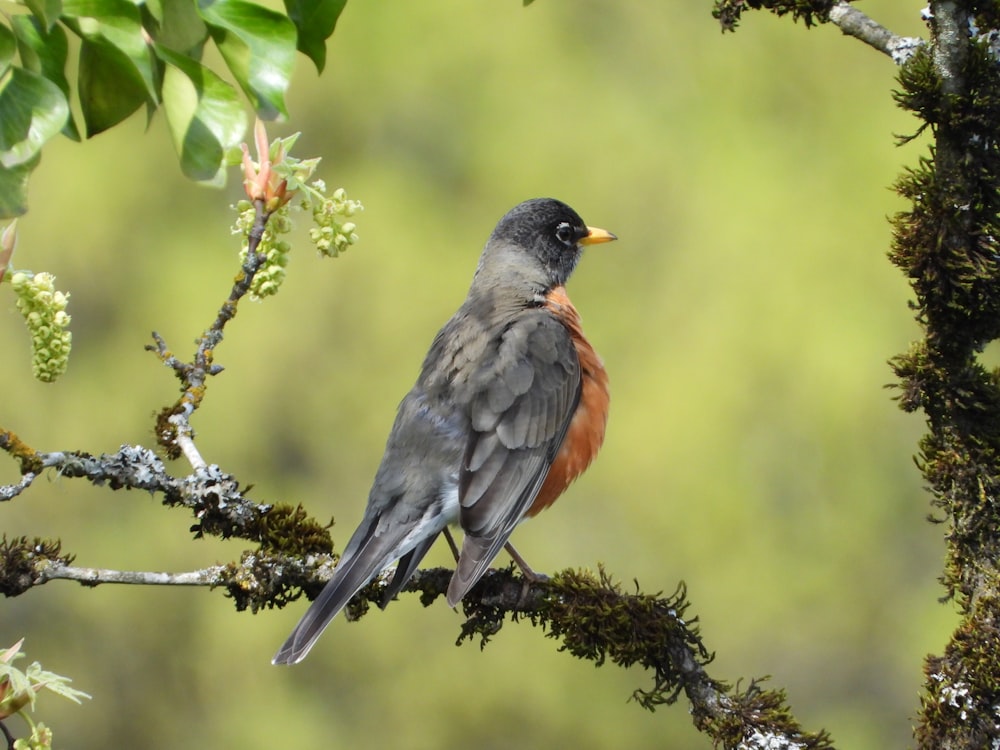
(510, 406)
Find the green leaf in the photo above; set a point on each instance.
(116, 24)
(179, 26)
(14, 188)
(46, 11)
(110, 87)
(54, 683)
(258, 46)
(204, 114)
(32, 110)
(315, 21)
(8, 45)
(45, 52)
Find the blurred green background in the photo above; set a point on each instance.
(745, 317)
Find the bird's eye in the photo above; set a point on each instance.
(564, 233)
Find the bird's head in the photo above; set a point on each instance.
(540, 241)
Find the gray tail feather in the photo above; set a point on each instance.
(349, 577)
(477, 554)
(404, 571)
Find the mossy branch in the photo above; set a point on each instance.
(590, 616)
(947, 245)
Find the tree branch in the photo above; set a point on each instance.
(947, 245)
(174, 431)
(841, 13)
(854, 23)
(94, 576)
(591, 617)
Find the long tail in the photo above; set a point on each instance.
(372, 547)
(369, 550)
(350, 577)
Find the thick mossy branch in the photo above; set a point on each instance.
(589, 615)
(594, 619)
(947, 244)
(961, 705)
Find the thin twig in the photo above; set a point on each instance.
(10, 491)
(184, 439)
(174, 430)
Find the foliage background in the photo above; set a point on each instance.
(745, 317)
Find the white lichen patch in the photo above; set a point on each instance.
(956, 695)
(768, 741)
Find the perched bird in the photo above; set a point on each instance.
(509, 408)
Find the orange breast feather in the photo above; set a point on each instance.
(586, 430)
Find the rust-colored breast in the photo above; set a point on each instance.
(586, 430)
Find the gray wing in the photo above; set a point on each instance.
(521, 402)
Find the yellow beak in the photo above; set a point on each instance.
(596, 235)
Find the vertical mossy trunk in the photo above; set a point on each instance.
(948, 245)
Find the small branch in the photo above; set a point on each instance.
(214, 496)
(10, 491)
(854, 23)
(184, 439)
(94, 576)
(173, 429)
(842, 14)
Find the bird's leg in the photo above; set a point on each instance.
(526, 570)
(451, 542)
(530, 576)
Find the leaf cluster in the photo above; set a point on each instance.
(147, 54)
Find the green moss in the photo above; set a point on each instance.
(20, 559)
(290, 531)
(594, 619)
(947, 244)
(166, 433)
(292, 546)
(810, 12)
(264, 581)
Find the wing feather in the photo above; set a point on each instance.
(519, 412)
